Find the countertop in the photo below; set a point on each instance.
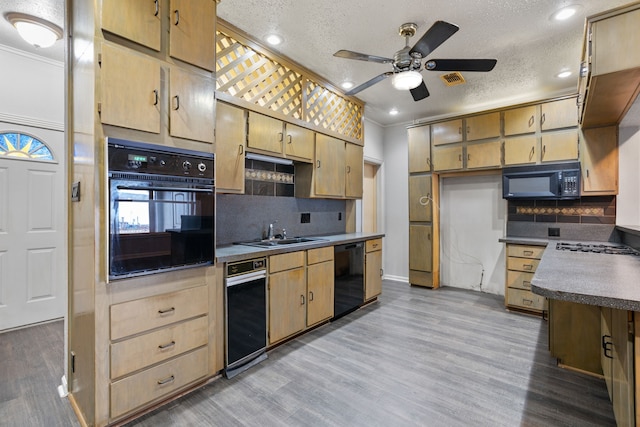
(524, 241)
(589, 278)
(231, 253)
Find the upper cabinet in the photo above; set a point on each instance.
(419, 141)
(520, 120)
(610, 78)
(191, 113)
(599, 160)
(482, 126)
(446, 132)
(138, 21)
(298, 143)
(230, 148)
(276, 138)
(192, 36)
(559, 114)
(354, 155)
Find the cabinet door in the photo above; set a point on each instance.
(447, 132)
(447, 158)
(265, 133)
(420, 203)
(230, 140)
(373, 274)
(484, 155)
(483, 126)
(420, 247)
(354, 154)
(319, 292)
(299, 142)
(138, 21)
(606, 355)
(330, 167)
(599, 160)
(520, 120)
(520, 150)
(287, 303)
(192, 106)
(130, 85)
(192, 36)
(559, 114)
(559, 146)
(419, 141)
(622, 369)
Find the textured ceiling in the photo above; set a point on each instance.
(531, 49)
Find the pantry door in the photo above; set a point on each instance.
(33, 254)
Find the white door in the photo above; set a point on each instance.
(33, 254)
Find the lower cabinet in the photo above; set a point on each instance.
(373, 269)
(320, 283)
(522, 261)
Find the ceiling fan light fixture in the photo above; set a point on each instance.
(406, 80)
(35, 31)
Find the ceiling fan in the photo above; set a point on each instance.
(407, 62)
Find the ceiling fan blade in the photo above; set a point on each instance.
(434, 37)
(460, 64)
(419, 93)
(362, 57)
(369, 83)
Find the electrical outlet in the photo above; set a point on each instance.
(305, 218)
(554, 232)
(339, 216)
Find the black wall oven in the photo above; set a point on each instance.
(161, 208)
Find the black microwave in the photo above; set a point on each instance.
(551, 182)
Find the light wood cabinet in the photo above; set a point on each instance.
(599, 160)
(446, 132)
(354, 170)
(447, 158)
(320, 285)
(130, 88)
(482, 126)
(520, 150)
(265, 133)
(518, 295)
(420, 198)
(420, 247)
(559, 114)
(372, 269)
(192, 36)
(299, 143)
(137, 21)
(521, 120)
(230, 146)
(484, 155)
(558, 146)
(617, 359)
(287, 303)
(419, 145)
(191, 105)
(330, 166)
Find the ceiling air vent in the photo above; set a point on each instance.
(452, 79)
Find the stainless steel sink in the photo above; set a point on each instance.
(279, 242)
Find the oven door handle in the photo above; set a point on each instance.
(193, 190)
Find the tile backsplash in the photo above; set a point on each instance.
(268, 179)
(586, 210)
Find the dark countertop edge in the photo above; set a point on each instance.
(232, 253)
(524, 240)
(597, 300)
(631, 229)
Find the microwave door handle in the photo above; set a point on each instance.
(193, 190)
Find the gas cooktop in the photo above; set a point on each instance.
(604, 248)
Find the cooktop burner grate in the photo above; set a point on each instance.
(612, 249)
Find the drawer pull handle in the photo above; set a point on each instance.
(166, 311)
(528, 253)
(167, 380)
(527, 301)
(167, 345)
(527, 266)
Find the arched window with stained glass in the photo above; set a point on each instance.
(22, 146)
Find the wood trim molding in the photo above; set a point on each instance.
(31, 121)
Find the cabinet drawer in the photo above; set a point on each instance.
(315, 256)
(523, 251)
(145, 350)
(519, 280)
(132, 392)
(141, 315)
(373, 245)
(522, 264)
(286, 261)
(525, 299)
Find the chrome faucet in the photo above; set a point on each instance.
(270, 234)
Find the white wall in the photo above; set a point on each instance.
(628, 200)
(472, 219)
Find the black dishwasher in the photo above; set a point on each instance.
(349, 278)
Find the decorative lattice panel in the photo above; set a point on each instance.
(246, 74)
(329, 111)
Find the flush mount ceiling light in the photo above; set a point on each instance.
(406, 80)
(346, 85)
(393, 112)
(563, 74)
(33, 30)
(273, 39)
(565, 13)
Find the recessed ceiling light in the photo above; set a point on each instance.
(565, 13)
(346, 85)
(393, 112)
(563, 74)
(34, 30)
(273, 39)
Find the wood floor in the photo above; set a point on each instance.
(415, 358)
